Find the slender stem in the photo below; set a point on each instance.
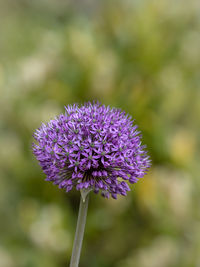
(82, 214)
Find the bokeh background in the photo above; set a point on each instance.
(139, 55)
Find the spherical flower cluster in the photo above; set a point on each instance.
(91, 147)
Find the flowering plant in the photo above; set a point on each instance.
(92, 148)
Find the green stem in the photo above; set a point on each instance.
(82, 214)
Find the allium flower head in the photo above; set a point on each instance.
(91, 147)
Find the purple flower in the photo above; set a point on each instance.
(91, 146)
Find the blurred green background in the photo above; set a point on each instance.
(139, 55)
